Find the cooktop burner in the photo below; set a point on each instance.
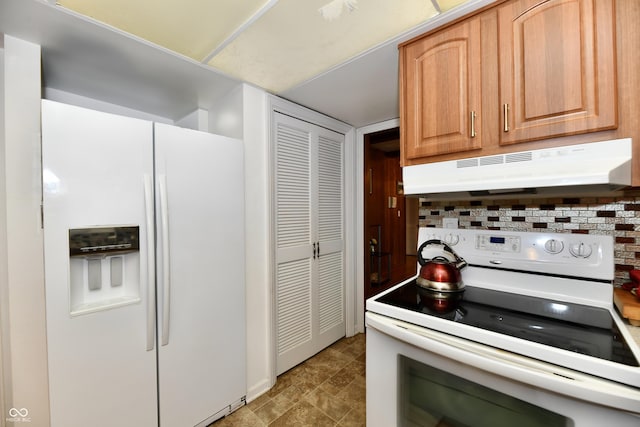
(569, 326)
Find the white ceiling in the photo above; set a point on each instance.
(169, 58)
(274, 44)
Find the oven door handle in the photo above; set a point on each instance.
(510, 365)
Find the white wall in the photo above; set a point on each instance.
(227, 118)
(22, 272)
(197, 120)
(243, 114)
(260, 352)
(256, 107)
(95, 104)
(4, 305)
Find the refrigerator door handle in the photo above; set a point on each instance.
(166, 281)
(151, 268)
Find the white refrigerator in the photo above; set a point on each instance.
(144, 271)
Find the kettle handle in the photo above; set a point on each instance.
(460, 263)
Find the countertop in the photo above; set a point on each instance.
(628, 308)
(634, 331)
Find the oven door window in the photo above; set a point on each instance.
(430, 397)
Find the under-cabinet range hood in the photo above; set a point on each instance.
(586, 169)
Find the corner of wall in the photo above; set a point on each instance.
(226, 118)
(197, 120)
(260, 350)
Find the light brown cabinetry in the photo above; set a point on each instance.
(537, 74)
(441, 92)
(557, 68)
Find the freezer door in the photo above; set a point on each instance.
(100, 371)
(200, 270)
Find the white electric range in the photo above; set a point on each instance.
(535, 340)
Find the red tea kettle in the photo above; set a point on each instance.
(440, 277)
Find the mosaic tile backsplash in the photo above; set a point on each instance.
(618, 217)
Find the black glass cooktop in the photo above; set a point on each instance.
(574, 327)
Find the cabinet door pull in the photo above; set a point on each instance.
(318, 249)
(505, 116)
(314, 250)
(473, 124)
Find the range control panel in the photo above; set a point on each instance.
(498, 243)
(556, 253)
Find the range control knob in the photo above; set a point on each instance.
(553, 246)
(580, 250)
(451, 239)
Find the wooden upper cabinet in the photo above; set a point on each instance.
(440, 99)
(557, 64)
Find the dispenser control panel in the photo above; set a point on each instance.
(101, 241)
(104, 268)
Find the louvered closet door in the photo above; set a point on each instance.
(294, 250)
(330, 240)
(308, 212)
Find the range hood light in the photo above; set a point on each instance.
(510, 191)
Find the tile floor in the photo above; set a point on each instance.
(326, 390)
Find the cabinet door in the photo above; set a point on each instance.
(308, 210)
(557, 68)
(440, 90)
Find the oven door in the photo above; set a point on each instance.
(420, 377)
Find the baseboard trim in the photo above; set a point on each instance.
(258, 390)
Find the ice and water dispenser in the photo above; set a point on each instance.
(104, 267)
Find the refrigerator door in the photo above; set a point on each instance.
(100, 371)
(200, 275)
